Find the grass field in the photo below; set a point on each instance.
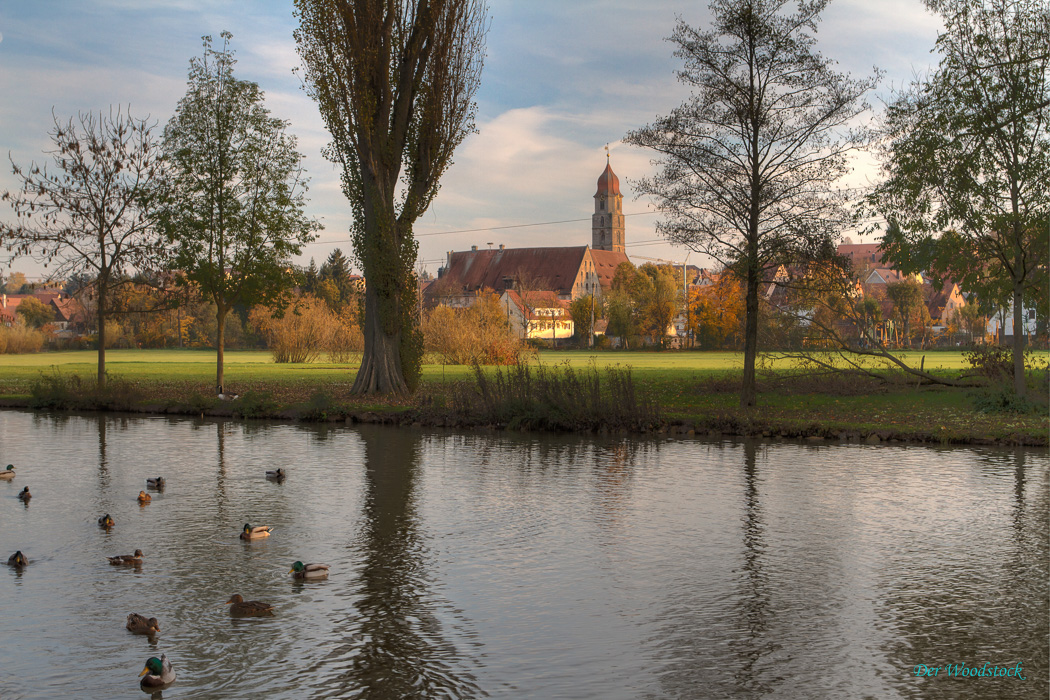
(697, 387)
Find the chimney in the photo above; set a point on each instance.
(501, 246)
(474, 248)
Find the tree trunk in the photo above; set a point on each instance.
(1019, 337)
(748, 393)
(101, 337)
(380, 371)
(220, 345)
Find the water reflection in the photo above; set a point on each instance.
(520, 565)
(396, 647)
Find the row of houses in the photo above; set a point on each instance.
(69, 313)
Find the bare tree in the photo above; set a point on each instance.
(395, 82)
(92, 214)
(749, 162)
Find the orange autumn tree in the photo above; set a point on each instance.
(717, 312)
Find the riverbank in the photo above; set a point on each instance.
(681, 393)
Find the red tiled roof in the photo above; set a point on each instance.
(861, 254)
(605, 264)
(545, 268)
(536, 300)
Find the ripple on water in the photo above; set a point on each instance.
(465, 565)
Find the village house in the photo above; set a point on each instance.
(69, 313)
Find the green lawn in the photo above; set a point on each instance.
(696, 387)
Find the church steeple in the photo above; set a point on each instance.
(607, 225)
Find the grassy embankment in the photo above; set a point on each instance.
(693, 391)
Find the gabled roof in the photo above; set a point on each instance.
(862, 254)
(605, 264)
(552, 269)
(886, 275)
(535, 300)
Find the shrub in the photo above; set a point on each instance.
(255, 404)
(20, 338)
(69, 392)
(477, 334)
(298, 334)
(346, 339)
(556, 398)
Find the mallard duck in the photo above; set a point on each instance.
(8, 473)
(139, 624)
(275, 474)
(243, 608)
(127, 559)
(106, 521)
(17, 560)
(144, 497)
(308, 571)
(24, 494)
(155, 483)
(158, 672)
(251, 533)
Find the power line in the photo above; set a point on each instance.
(490, 228)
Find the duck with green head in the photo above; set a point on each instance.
(156, 482)
(24, 495)
(251, 533)
(301, 571)
(275, 474)
(8, 473)
(17, 560)
(158, 672)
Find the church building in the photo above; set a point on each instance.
(567, 273)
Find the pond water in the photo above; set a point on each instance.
(539, 566)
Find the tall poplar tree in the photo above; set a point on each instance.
(748, 164)
(236, 196)
(395, 82)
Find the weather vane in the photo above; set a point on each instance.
(606, 153)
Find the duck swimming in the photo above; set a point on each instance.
(308, 571)
(24, 494)
(8, 473)
(17, 560)
(275, 474)
(158, 672)
(244, 608)
(139, 624)
(106, 521)
(144, 497)
(127, 559)
(155, 483)
(251, 533)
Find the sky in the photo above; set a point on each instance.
(561, 81)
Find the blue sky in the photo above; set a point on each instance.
(561, 80)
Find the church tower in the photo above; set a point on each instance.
(607, 229)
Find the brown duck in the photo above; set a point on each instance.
(244, 608)
(127, 559)
(139, 624)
